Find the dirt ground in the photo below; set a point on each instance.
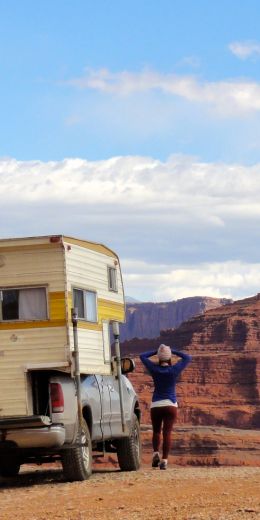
(180, 493)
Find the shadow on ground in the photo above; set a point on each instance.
(33, 477)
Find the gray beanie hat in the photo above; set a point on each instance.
(164, 352)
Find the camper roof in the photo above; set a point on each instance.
(55, 239)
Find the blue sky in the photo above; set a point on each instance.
(107, 93)
(43, 45)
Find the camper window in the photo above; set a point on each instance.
(86, 303)
(23, 304)
(112, 279)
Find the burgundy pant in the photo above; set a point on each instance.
(163, 417)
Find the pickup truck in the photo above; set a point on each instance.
(57, 431)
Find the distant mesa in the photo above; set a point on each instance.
(146, 319)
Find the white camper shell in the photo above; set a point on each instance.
(41, 279)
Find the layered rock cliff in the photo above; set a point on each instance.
(145, 320)
(221, 386)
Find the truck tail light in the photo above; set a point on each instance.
(57, 397)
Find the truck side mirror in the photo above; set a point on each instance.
(127, 365)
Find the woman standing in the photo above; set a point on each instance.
(164, 404)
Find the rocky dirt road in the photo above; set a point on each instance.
(226, 493)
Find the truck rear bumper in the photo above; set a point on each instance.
(47, 437)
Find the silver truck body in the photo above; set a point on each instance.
(44, 438)
(100, 402)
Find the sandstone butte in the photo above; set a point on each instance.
(145, 320)
(220, 390)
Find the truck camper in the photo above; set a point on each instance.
(62, 394)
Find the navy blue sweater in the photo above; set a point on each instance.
(164, 377)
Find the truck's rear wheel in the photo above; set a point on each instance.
(129, 448)
(77, 461)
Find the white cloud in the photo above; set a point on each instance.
(190, 187)
(245, 50)
(189, 227)
(227, 98)
(232, 279)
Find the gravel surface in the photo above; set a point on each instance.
(179, 493)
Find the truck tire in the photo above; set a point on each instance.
(77, 461)
(129, 448)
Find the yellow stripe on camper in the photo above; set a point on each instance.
(108, 310)
(15, 325)
(57, 305)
